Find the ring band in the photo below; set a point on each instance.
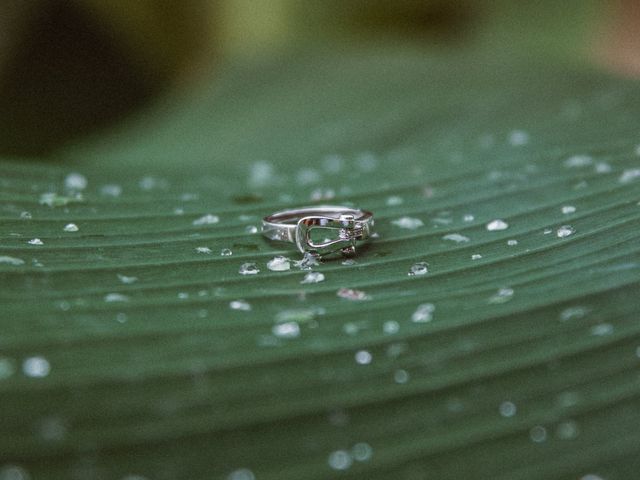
(295, 226)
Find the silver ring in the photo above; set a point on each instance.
(351, 226)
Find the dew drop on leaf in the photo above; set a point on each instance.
(35, 241)
(115, 297)
(424, 313)
(242, 305)
(36, 367)
(363, 357)
(313, 277)
(602, 329)
(394, 200)
(75, 181)
(577, 161)
(248, 268)
(497, 225)
(567, 209)
(408, 223)
(476, 256)
(538, 434)
(507, 409)
(279, 264)
(340, 460)
(565, 231)
(205, 250)
(518, 138)
(126, 279)
(390, 327)
(286, 330)
(361, 452)
(503, 295)
(226, 252)
(207, 219)
(629, 175)
(241, 474)
(7, 260)
(512, 242)
(456, 237)
(251, 229)
(352, 294)
(419, 268)
(400, 376)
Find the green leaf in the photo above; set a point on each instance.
(121, 353)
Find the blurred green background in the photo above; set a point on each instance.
(70, 68)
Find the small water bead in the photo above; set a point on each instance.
(565, 231)
(332, 163)
(111, 190)
(538, 434)
(308, 176)
(340, 460)
(71, 227)
(309, 260)
(322, 194)
(476, 256)
(179, 211)
(26, 215)
(226, 252)
(603, 167)
(578, 161)
(13, 472)
(502, 296)
(361, 452)
(251, 229)
(205, 250)
(241, 474)
(279, 264)
(408, 223)
(121, 317)
(286, 330)
(51, 429)
(363, 357)
(367, 162)
(496, 225)
(456, 237)
(75, 181)
(313, 277)
(115, 297)
(424, 313)
(183, 295)
(568, 209)
(512, 242)
(419, 268)
(14, 261)
(36, 367)
(394, 200)
(352, 294)
(507, 409)
(629, 175)
(518, 138)
(400, 376)
(242, 305)
(571, 313)
(601, 329)
(261, 174)
(567, 399)
(349, 262)
(35, 241)
(468, 218)
(126, 279)
(207, 219)
(248, 268)
(567, 430)
(390, 327)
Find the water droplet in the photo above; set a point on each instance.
(567, 430)
(13, 472)
(363, 357)
(367, 162)
(629, 175)
(313, 277)
(578, 161)
(51, 429)
(286, 330)
(121, 317)
(309, 260)
(468, 218)
(75, 181)
(547, 231)
(571, 313)
(497, 225)
(322, 194)
(111, 190)
(183, 295)
(538, 434)
(178, 211)
(456, 237)
(226, 252)
(390, 327)
(279, 264)
(565, 231)
(352, 294)
(26, 215)
(332, 164)
(307, 176)
(7, 369)
(502, 296)
(567, 399)
(340, 460)
(512, 242)
(35, 241)
(127, 280)
(400, 376)
(349, 262)
(241, 474)
(240, 305)
(567, 209)
(603, 167)
(394, 200)
(251, 229)
(54, 200)
(361, 452)
(115, 297)
(205, 250)
(424, 313)
(261, 174)
(518, 138)
(36, 367)
(409, 223)
(476, 256)
(71, 227)
(507, 409)
(16, 262)
(207, 219)
(248, 268)
(419, 268)
(602, 329)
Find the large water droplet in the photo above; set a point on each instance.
(75, 181)
(497, 225)
(565, 231)
(248, 268)
(36, 367)
(279, 264)
(71, 227)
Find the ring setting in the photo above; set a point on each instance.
(348, 228)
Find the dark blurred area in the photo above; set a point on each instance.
(71, 68)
